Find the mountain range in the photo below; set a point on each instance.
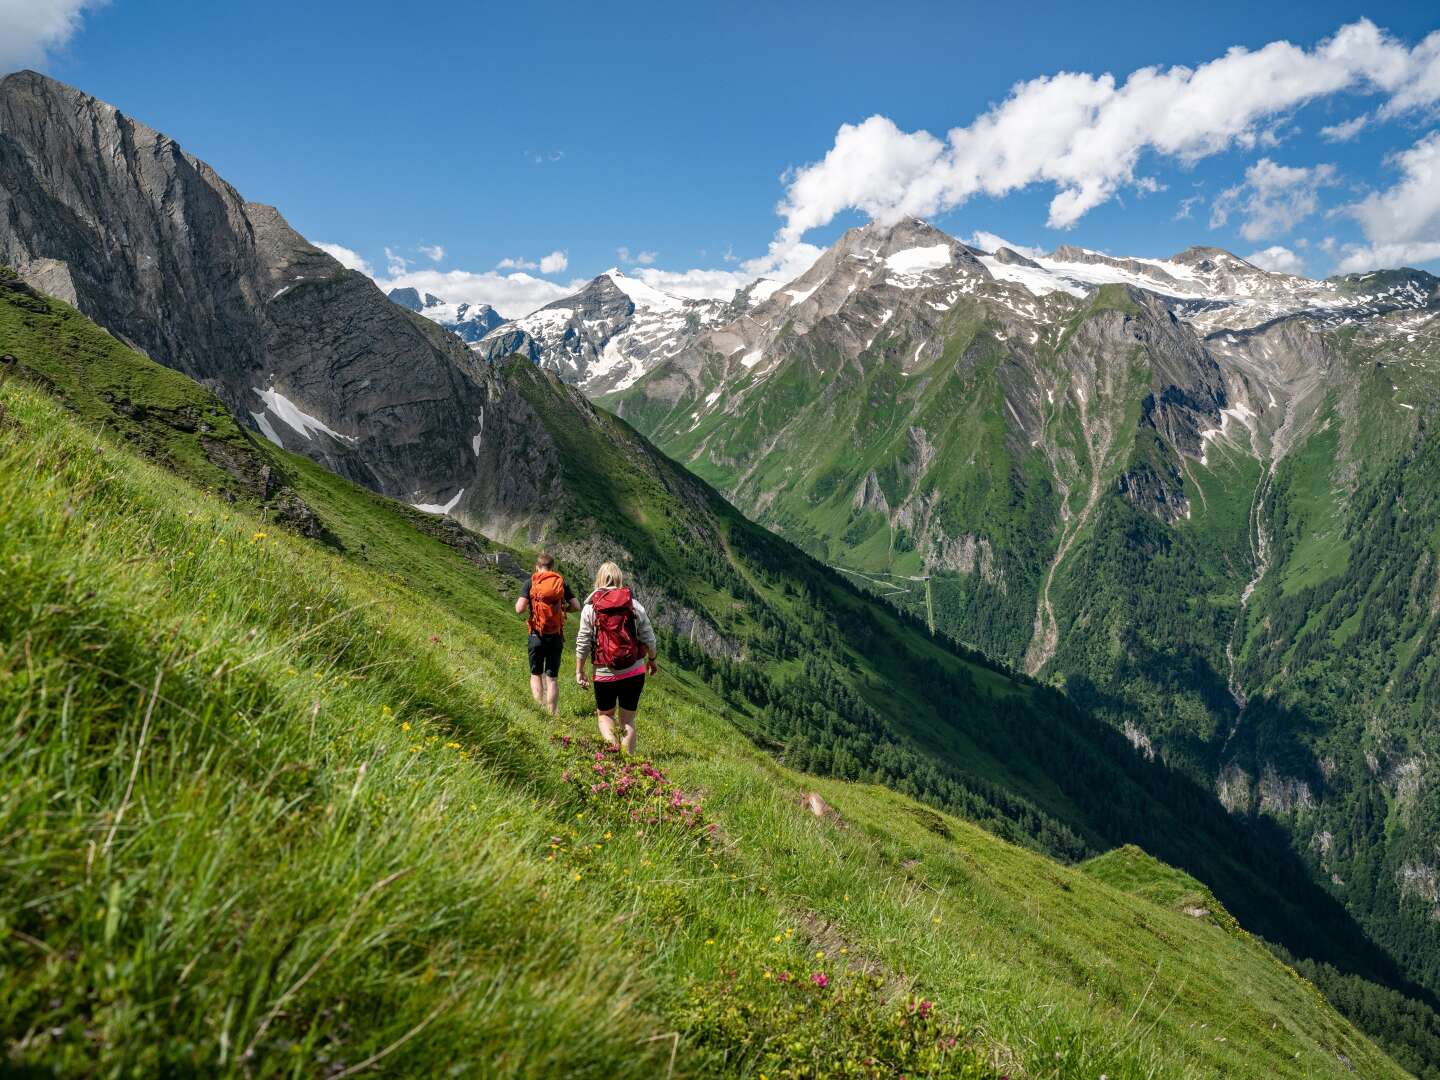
(1113, 550)
(1153, 482)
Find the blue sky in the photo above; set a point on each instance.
(673, 132)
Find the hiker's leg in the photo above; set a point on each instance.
(607, 726)
(627, 730)
(551, 649)
(628, 698)
(534, 647)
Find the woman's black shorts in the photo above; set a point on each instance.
(624, 691)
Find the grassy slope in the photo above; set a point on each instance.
(274, 808)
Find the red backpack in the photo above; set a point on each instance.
(547, 602)
(616, 645)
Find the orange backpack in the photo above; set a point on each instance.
(547, 602)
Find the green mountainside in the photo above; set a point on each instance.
(277, 800)
(1212, 522)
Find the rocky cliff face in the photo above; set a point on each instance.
(117, 219)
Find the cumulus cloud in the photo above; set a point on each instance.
(346, 257)
(1279, 259)
(395, 263)
(553, 263)
(434, 252)
(1345, 131)
(1187, 207)
(1273, 198)
(512, 295)
(33, 30)
(637, 258)
(1084, 134)
(783, 262)
(1402, 224)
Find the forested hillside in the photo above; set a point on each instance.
(1194, 494)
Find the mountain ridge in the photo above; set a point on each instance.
(1019, 434)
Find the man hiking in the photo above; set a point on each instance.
(616, 635)
(546, 597)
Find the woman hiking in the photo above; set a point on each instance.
(616, 635)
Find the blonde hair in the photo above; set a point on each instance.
(609, 577)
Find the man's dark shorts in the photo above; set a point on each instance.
(625, 691)
(545, 654)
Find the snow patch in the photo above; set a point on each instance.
(764, 289)
(1036, 282)
(643, 296)
(799, 296)
(750, 359)
(917, 259)
(436, 508)
(295, 417)
(263, 423)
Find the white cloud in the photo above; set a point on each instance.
(32, 30)
(781, 262)
(1279, 259)
(1084, 134)
(989, 241)
(1273, 198)
(1401, 225)
(554, 263)
(637, 258)
(395, 263)
(434, 252)
(346, 257)
(512, 295)
(1345, 131)
(1187, 206)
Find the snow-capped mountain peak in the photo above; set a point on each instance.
(470, 321)
(641, 294)
(607, 335)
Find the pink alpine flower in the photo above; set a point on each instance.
(820, 979)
